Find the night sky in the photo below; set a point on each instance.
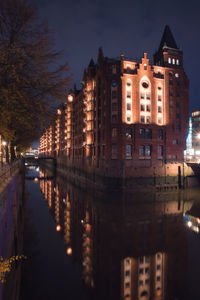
(130, 27)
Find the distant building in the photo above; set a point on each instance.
(130, 118)
(196, 133)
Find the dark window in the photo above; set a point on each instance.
(114, 118)
(148, 96)
(128, 150)
(128, 95)
(148, 107)
(160, 150)
(142, 119)
(145, 85)
(142, 96)
(159, 109)
(145, 67)
(160, 134)
(114, 106)
(128, 106)
(114, 94)
(127, 273)
(114, 149)
(114, 83)
(170, 82)
(128, 133)
(177, 94)
(159, 98)
(145, 133)
(142, 107)
(145, 150)
(170, 93)
(128, 83)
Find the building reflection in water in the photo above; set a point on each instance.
(126, 251)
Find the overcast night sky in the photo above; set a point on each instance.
(129, 26)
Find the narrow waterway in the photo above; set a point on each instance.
(92, 246)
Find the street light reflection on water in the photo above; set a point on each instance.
(117, 247)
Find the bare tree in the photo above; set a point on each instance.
(30, 75)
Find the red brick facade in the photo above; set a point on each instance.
(129, 117)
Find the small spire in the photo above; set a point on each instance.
(167, 39)
(91, 64)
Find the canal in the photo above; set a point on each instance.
(85, 245)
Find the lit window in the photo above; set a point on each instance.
(128, 150)
(173, 61)
(176, 75)
(175, 142)
(177, 62)
(169, 60)
(114, 132)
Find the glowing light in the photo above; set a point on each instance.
(69, 251)
(36, 179)
(70, 98)
(4, 143)
(189, 223)
(58, 228)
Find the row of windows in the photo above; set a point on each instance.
(144, 133)
(173, 61)
(144, 150)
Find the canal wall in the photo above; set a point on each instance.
(165, 176)
(11, 226)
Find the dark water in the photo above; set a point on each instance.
(109, 246)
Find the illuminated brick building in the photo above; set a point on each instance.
(130, 119)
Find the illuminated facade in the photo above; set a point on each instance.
(196, 133)
(130, 118)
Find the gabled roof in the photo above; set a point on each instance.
(168, 39)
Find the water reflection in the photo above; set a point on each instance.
(127, 249)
